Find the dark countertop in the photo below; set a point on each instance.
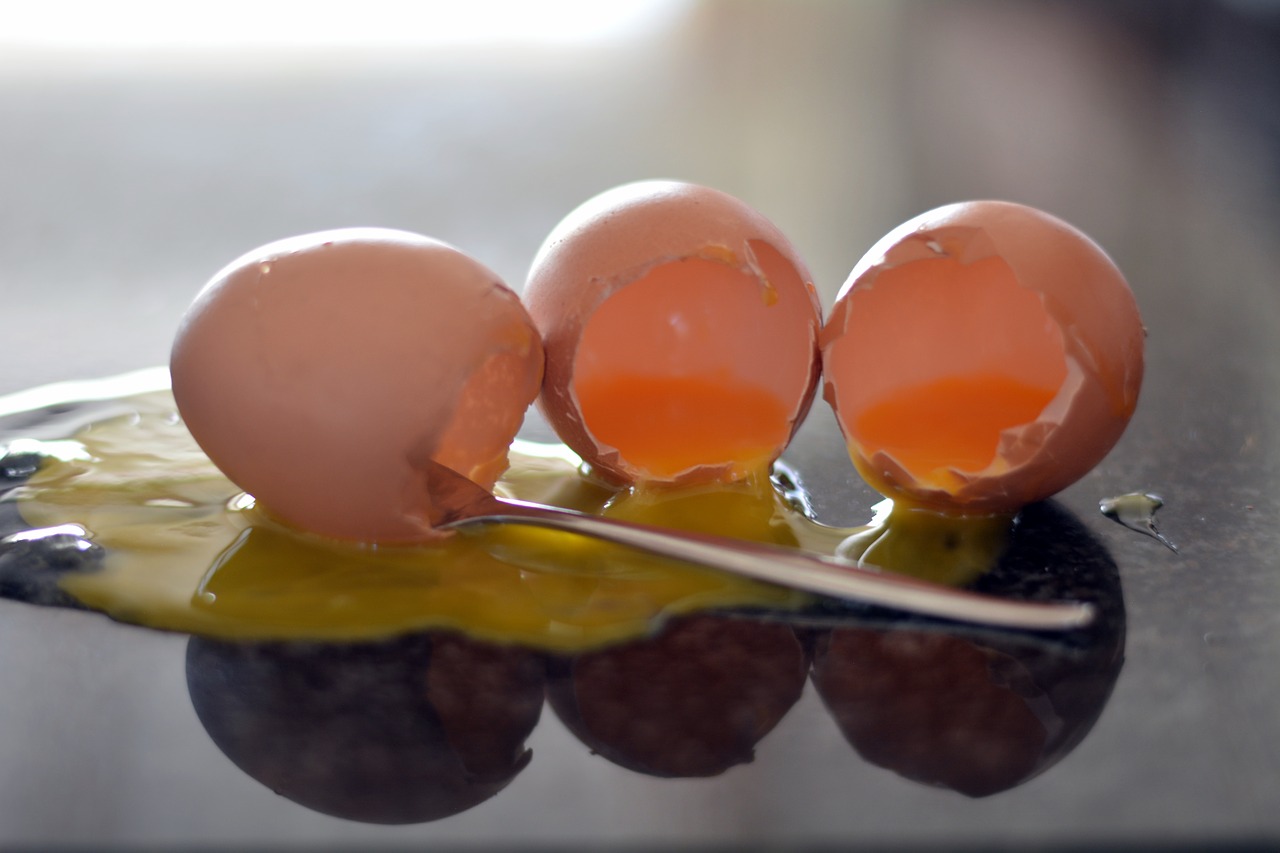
(129, 178)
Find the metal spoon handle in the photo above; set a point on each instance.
(809, 572)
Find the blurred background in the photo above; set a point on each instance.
(143, 145)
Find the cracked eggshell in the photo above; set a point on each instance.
(990, 289)
(321, 372)
(615, 240)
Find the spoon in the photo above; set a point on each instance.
(461, 503)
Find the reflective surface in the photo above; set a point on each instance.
(131, 178)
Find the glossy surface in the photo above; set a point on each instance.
(126, 182)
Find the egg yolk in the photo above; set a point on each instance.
(647, 415)
(947, 356)
(906, 424)
(698, 362)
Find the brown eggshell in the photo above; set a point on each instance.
(622, 235)
(872, 342)
(322, 372)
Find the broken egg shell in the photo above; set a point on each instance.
(322, 372)
(1088, 305)
(622, 235)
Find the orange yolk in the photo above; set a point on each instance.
(697, 363)
(955, 421)
(668, 424)
(937, 359)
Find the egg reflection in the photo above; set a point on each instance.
(427, 726)
(397, 732)
(976, 712)
(693, 701)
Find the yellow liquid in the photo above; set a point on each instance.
(669, 424)
(185, 551)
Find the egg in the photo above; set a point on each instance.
(680, 329)
(982, 356)
(322, 373)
